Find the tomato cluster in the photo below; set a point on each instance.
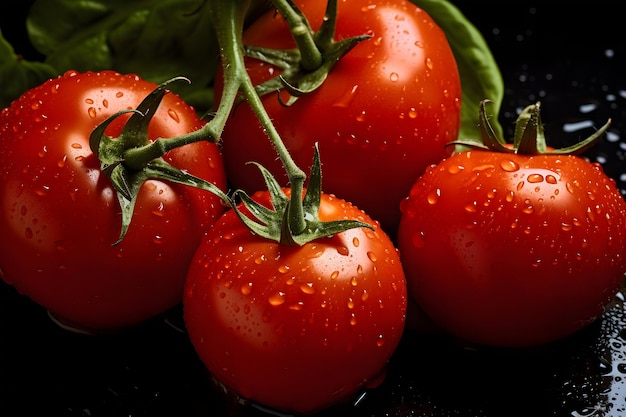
(503, 245)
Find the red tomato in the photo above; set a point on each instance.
(60, 215)
(296, 328)
(384, 113)
(513, 250)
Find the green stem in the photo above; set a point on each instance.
(310, 55)
(228, 21)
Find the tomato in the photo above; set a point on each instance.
(385, 112)
(296, 328)
(60, 215)
(511, 249)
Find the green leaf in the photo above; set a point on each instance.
(480, 75)
(157, 39)
(18, 75)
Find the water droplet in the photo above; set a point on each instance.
(509, 166)
(380, 341)
(342, 250)
(535, 178)
(372, 256)
(566, 227)
(412, 113)
(246, 289)
(334, 275)
(429, 63)
(28, 233)
(394, 76)
(551, 179)
(433, 196)
(361, 116)
(277, 299)
(307, 288)
(283, 269)
(356, 242)
(173, 115)
(89, 101)
(91, 111)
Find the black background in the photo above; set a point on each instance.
(565, 54)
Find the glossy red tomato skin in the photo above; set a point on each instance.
(296, 328)
(511, 250)
(60, 216)
(385, 112)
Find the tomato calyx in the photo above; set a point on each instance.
(306, 67)
(131, 159)
(277, 224)
(529, 137)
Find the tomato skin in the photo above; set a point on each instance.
(296, 328)
(60, 215)
(512, 250)
(385, 112)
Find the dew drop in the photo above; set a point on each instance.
(246, 289)
(28, 233)
(429, 63)
(342, 250)
(380, 341)
(509, 166)
(372, 256)
(334, 275)
(535, 178)
(91, 111)
(307, 288)
(551, 179)
(173, 115)
(394, 76)
(356, 242)
(277, 299)
(433, 196)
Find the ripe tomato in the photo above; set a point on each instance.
(384, 113)
(511, 249)
(296, 328)
(60, 215)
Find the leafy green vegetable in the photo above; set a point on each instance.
(18, 75)
(157, 39)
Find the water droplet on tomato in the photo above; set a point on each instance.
(361, 116)
(89, 101)
(307, 288)
(246, 288)
(372, 256)
(277, 299)
(508, 165)
(342, 250)
(355, 242)
(283, 269)
(433, 196)
(173, 115)
(551, 179)
(535, 178)
(91, 111)
(380, 341)
(566, 227)
(353, 320)
(394, 77)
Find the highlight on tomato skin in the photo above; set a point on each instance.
(296, 328)
(513, 250)
(61, 216)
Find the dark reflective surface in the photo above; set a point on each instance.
(570, 57)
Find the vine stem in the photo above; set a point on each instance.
(228, 17)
